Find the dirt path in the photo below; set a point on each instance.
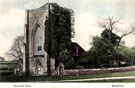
(96, 79)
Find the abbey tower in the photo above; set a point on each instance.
(48, 32)
(35, 60)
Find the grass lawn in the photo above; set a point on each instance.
(6, 71)
(113, 80)
(53, 78)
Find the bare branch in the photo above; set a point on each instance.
(109, 23)
(127, 33)
(16, 50)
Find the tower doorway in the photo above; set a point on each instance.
(38, 68)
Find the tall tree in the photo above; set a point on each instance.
(59, 31)
(104, 51)
(16, 50)
(109, 25)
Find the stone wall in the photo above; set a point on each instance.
(98, 71)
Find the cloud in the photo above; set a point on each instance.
(85, 28)
(12, 25)
(129, 40)
(12, 18)
(87, 13)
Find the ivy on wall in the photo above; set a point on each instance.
(58, 30)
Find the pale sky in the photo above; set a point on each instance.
(87, 14)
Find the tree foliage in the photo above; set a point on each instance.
(129, 55)
(67, 59)
(110, 37)
(2, 58)
(59, 30)
(106, 50)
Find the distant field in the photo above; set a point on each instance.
(7, 65)
(7, 69)
(59, 79)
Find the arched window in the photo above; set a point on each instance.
(38, 41)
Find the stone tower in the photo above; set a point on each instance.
(36, 59)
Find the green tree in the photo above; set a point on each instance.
(59, 31)
(67, 59)
(129, 54)
(109, 24)
(104, 51)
